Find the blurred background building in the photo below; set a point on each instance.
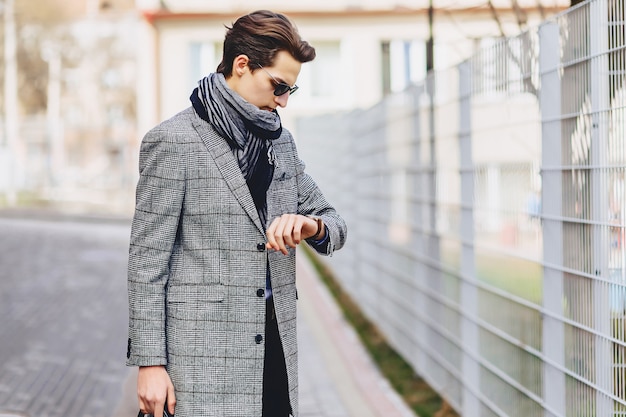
(69, 100)
(85, 79)
(365, 49)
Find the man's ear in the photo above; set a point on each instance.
(240, 65)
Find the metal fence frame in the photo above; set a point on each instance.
(487, 215)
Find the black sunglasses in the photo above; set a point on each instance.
(280, 87)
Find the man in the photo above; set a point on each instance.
(222, 202)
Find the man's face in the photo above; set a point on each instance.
(258, 87)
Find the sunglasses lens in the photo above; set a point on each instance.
(281, 89)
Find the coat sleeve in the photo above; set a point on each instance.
(159, 199)
(311, 201)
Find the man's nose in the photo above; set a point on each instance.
(282, 100)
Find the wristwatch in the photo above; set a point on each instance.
(320, 227)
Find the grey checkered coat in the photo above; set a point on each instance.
(197, 262)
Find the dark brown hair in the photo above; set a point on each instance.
(260, 36)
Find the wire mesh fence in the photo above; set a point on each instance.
(487, 216)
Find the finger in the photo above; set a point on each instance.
(271, 240)
(142, 405)
(288, 225)
(299, 223)
(171, 400)
(158, 408)
(288, 231)
(279, 234)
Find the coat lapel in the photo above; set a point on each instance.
(229, 167)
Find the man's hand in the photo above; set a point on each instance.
(154, 387)
(288, 230)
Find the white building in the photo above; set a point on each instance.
(364, 48)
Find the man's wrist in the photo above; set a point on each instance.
(320, 228)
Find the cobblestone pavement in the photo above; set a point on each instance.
(63, 313)
(63, 323)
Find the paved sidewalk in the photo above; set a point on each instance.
(63, 313)
(335, 367)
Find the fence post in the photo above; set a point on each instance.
(433, 244)
(468, 293)
(553, 346)
(600, 105)
(420, 358)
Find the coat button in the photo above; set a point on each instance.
(260, 246)
(260, 292)
(258, 339)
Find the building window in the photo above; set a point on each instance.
(403, 63)
(203, 60)
(325, 70)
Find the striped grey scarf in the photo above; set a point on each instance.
(244, 125)
(248, 130)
